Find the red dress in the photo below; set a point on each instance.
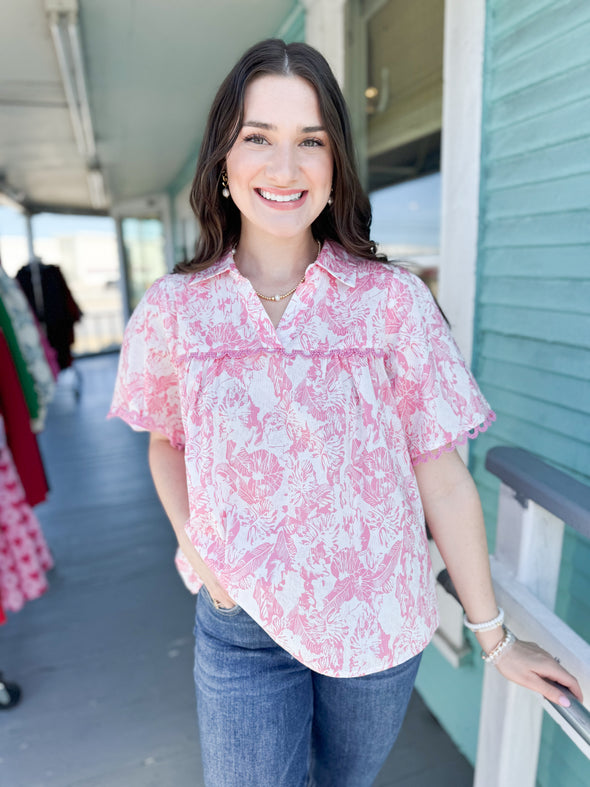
(20, 439)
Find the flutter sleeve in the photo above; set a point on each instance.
(438, 401)
(146, 391)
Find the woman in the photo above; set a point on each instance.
(304, 400)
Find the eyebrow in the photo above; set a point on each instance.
(270, 127)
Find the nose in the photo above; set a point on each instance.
(282, 166)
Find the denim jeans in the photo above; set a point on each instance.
(266, 720)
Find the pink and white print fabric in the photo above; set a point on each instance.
(24, 554)
(299, 444)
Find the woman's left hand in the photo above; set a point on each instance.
(529, 665)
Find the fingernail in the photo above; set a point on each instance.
(564, 701)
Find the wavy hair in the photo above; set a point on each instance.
(347, 221)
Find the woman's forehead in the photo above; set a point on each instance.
(282, 98)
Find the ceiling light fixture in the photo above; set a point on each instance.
(76, 49)
(62, 16)
(96, 188)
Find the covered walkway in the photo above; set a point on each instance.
(105, 657)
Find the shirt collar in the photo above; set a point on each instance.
(332, 258)
(223, 264)
(336, 261)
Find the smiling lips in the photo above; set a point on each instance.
(286, 198)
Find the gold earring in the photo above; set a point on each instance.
(225, 189)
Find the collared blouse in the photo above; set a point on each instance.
(299, 446)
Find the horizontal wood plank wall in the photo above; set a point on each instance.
(532, 331)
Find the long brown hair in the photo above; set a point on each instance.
(347, 221)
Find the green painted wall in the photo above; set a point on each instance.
(293, 28)
(532, 326)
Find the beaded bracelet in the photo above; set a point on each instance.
(487, 625)
(507, 641)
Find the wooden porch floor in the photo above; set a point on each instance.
(105, 657)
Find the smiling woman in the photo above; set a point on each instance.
(279, 175)
(304, 400)
(280, 170)
(347, 217)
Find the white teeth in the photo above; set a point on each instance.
(280, 197)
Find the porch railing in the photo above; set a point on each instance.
(98, 330)
(535, 502)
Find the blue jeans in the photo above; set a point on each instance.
(266, 720)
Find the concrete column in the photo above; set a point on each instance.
(460, 164)
(123, 278)
(325, 29)
(30, 235)
(167, 210)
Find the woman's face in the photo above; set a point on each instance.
(280, 167)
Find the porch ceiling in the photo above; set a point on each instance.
(152, 68)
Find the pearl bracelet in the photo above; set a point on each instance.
(507, 641)
(487, 625)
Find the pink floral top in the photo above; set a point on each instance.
(299, 443)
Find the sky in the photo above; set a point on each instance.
(50, 225)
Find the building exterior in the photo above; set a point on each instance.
(496, 97)
(513, 104)
(532, 324)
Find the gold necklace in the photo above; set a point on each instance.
(279, 297)
(286, 294)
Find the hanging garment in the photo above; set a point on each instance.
(24, 375)
(24, 555)
(20, 439)
(48, 350)
(29, 342)
(58, 312)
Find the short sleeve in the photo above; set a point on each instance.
(438, 401)
(146, 391)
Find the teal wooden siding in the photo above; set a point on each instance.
(532, 324)
(532, 331)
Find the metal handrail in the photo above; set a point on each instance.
(533, 479)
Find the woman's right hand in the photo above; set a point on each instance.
(168, 470)
(219, 596)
